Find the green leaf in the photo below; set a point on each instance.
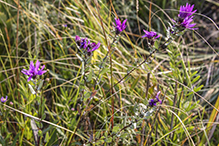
(31, 89)
(15, 139)
(104, 71)
(135, 82)
(52, 138)
(46, 137)
(194, 73)
(90, 76)
(116, 129)
(195, 79)
(198, 88)
(40, 84)
(60, 132)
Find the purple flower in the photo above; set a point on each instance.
(3, 100)
(185, 18)
(186, 23)
(34, 71)
(119, 26)
(153, 102)
(186, 11)
(78, 40)
(93, 47)
(86, 44)
(150, 35)
(157, 97)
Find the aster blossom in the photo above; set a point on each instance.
(186, 11)
(150, 35)
(86, 44)
(185, 18)
(3, 100)
(119, 26)
(153, 102)
(186, 23)
(34, 71)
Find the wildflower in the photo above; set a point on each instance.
(186, 11)
(3, 100)
(86, 44)
(64, 25)
(151, 36)
(119, 26)
(93, 46)
(34, 71)
(11, 103)
(186, 23)
(185, 18)
(153, 102)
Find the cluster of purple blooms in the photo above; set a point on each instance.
(153, 102)
(119, 26)
(34, 71)
(185, 17)
(86, 44)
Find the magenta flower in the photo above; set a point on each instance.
(186, 23)
(186, 11)
(153, 102)
(119, 26)
(34, 71)
(150, 35)
(3, 100)
(185, 18)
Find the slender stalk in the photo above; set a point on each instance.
(18, 72)
(174, 103)
(152, 127)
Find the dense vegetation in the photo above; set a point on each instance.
(121, 89)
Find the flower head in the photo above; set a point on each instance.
(186, 23)
(150, 35)
(119, 26)
(93, 46)
(34, 71)
(86, 44)
(185, 18)
(3, 100)
(153, 102)
(186, 11)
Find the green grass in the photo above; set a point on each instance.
(82, 102)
